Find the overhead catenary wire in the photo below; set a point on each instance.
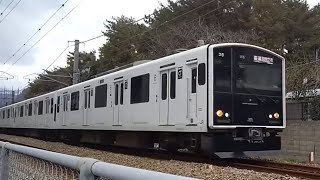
(43, 37)
(6, 7)
(164, 23)
(64, 50)
(10, 11)
(39, 29)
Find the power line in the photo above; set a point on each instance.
(39, 29)
(175, 18)
(10, 11)
(6, 8)
(165, 21)
(57, 57)
(92, 38)
(43, 36)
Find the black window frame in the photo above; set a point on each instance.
(202, 74)
(58, 104)
(40, 108)
(101, 96)
(173, 82)
(75, 101)
(51, 109)
(121, 94)
(194, 74)
(140, 89)
(164, 86)
(21, 110)
(30, 109)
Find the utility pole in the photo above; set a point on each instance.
(76, 71)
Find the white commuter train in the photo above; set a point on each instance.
(215, 98)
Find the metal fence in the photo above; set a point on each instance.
(21, 162)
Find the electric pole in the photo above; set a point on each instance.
(76, 71)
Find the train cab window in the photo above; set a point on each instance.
(222, 69)
(140, 89)
(173, 85)
(164, 84)
(121, 93)
(201, 74)
(116, 96)
(30, 110)
(21, 111)
(58, 104)
(51, 106)
(101, 96)
(75, 101)
(194, 80)
(40, 108)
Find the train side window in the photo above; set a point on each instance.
(16, 111)
(47, 106)
(8, 114)
(173, 85)
(51, 105)
(116, 94)
(100, 99)
(164, 84)
(26, 110)
(139, 92)
(35, 108)
(58, 104)
(201, 74)
(30, 110)
(121, 93)
(40, 108)
(194, 80)
(75, 101)
(21, 111)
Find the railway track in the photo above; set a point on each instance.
(301, 171)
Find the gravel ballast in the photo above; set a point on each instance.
(197, 170)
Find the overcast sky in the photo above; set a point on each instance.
(84, 22)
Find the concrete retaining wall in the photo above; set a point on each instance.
(300, 138)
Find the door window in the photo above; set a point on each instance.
(164, 85)
(194, 80)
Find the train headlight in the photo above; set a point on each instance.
(219, 113)
(276, 115)
(227, 115)
(270, 116)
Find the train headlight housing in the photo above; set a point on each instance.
(276, 115)
(220, 113)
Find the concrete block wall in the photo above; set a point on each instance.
(301, 138)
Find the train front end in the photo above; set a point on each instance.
(246, 103)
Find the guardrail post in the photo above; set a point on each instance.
(4, 170)
(85, 166)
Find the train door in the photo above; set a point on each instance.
(192, 93)
(87, 105)
(167, 97)
(118, 102)
(65, 111)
